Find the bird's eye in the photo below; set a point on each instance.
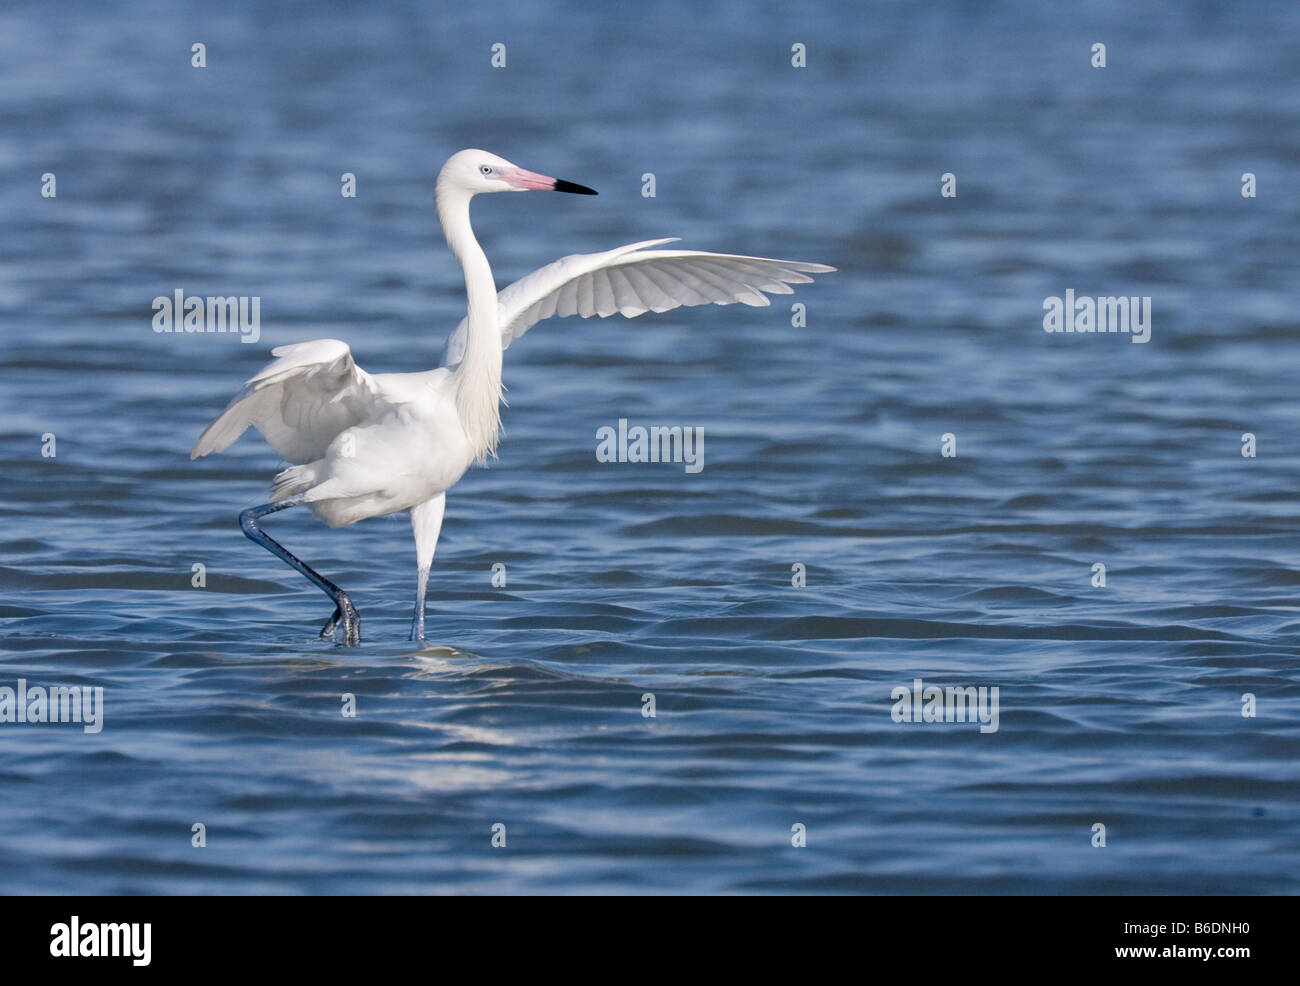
(486, 169)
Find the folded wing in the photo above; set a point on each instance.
(631, 280)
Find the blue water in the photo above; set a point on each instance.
(1119, 705)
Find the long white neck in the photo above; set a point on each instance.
(478, 377)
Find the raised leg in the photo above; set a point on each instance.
(344, 610)
(426, 523)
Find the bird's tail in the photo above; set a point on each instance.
(295, 479)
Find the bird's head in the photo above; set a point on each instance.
(471, 172)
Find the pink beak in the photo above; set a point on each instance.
(531, 181)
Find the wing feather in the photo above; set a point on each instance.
(631, 280)
(300, 402)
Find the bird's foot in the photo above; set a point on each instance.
(346, 614)
(417, 630)
(351, 626)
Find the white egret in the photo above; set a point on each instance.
(363, 445)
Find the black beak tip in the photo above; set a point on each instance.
(568, 186)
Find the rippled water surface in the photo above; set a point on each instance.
(1119, 705)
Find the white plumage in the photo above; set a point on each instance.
(632, 280)
(363, 444)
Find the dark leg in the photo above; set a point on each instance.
(344, 610)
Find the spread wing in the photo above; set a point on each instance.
(300, 402)
(631, 280)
